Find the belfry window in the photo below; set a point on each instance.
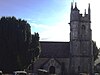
(83, 27)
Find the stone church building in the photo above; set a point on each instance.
(66, 58)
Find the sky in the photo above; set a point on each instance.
(50, 18)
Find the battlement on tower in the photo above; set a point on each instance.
(76, 16)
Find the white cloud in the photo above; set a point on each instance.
(42, 26)
(56, 32)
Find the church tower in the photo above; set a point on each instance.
(81, 51)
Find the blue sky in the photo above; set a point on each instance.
(50, 18)
(41, 14)
(38, 11)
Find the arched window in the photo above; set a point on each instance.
(52, 70)
(83, 27)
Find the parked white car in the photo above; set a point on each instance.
(0, 72)
(20, 73)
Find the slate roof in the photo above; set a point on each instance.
(54, 49)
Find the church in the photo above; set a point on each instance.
(74, 57)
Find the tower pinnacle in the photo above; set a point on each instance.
(85, 12)
(89, 11)
(75, 5)
(71, 5)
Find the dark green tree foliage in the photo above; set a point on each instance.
(95, 51)
(15, 38)
(35, 48)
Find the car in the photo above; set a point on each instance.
(0, 72)
(20, 73)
